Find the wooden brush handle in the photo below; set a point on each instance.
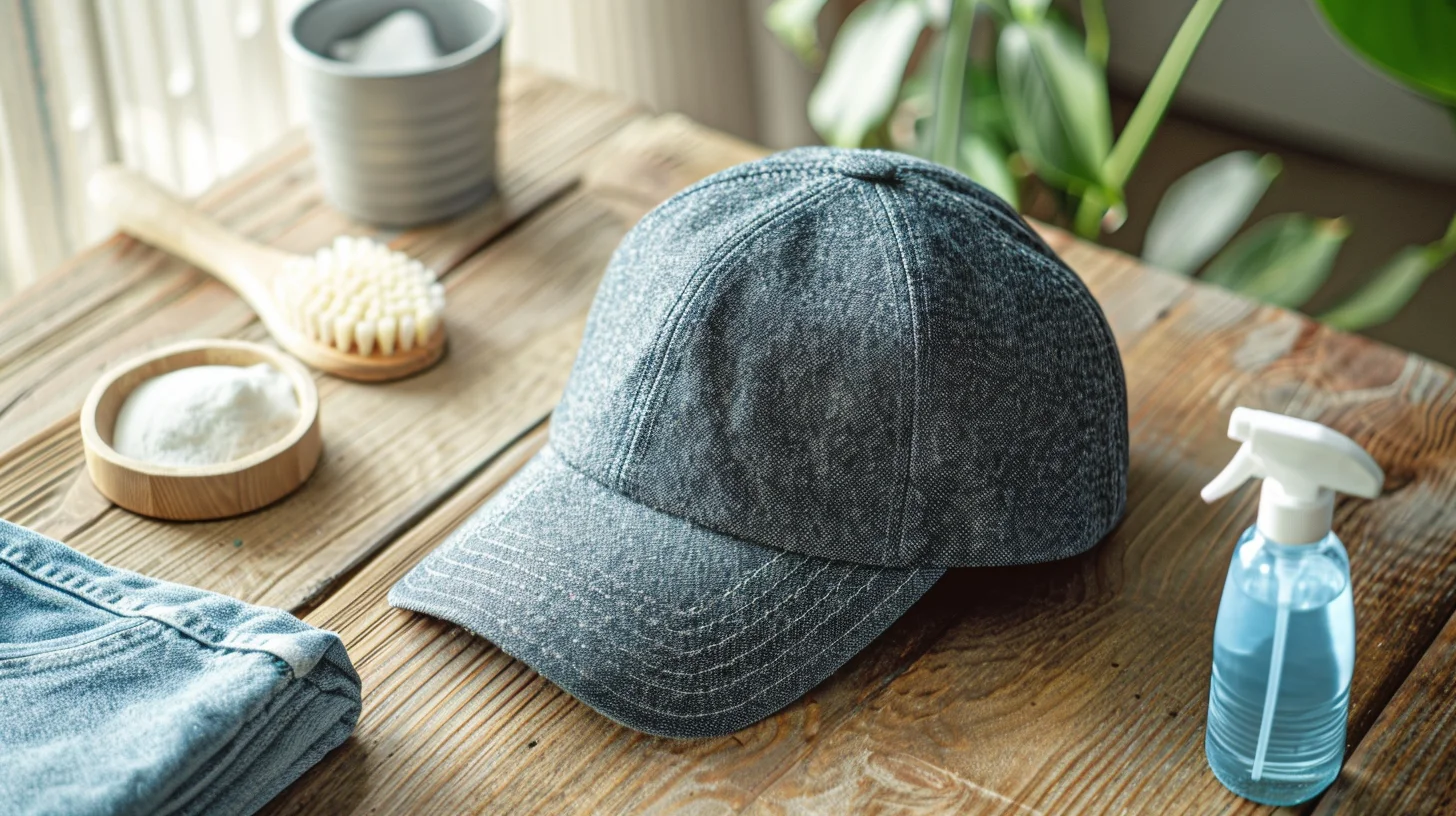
(152, 214)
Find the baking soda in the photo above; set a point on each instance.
(206, 415)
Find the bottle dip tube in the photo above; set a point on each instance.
(1284, 643)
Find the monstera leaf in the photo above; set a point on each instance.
(1412, 40)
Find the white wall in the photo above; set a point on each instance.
(710, 59)
(1272, 67)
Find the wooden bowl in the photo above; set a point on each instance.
(192, 493)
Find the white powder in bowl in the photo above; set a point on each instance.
(206, 415)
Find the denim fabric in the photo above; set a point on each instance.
(120, 694)
(852, 363)
(657, 622)
(856, 355)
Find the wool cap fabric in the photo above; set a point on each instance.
(808, 385)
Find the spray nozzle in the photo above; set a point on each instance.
(1302, 464)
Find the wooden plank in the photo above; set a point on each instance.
(1407, 762)
(390, 451)
(122, 297)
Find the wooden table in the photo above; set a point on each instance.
(1073, 687)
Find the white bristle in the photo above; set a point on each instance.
(364, 337)
(425, 322)
(407, 332)
(386, 335)
(358, 295)
(343, 332)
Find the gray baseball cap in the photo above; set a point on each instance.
(808, 385)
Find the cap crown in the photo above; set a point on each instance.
(856, 355)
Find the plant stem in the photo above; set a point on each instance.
(1440, 251)
(1154, 102)
(950, 91)
(1094, 20)
(1088, 221)
(1448, 241)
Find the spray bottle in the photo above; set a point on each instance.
(1284, 644)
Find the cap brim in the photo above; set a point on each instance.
(661, 624)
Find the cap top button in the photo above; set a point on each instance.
(866, 166)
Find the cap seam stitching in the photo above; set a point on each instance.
(584, 674)
(579, 471)
(915, 374)
(1010, 218)
(661, 338)
(664, 650)
(659, 607)
(655, 214)
(572, 471)
(638, 418)
(638, 661)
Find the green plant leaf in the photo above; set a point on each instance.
(1392, 286)
(1056, 102)
(950, 80)
(1029, 10)
(1094, 22)
(796, 24)
(989, 166)
(937, 12)
(1000, 9)
(987, 113)
(861, 79)
(1203, 209)
(1381, 297)
(1412, 40)
(1283, 260)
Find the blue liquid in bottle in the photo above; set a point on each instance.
(1303, 590)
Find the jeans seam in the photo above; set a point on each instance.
(87, 591)
(76, 653)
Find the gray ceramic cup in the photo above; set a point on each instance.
(401, 147)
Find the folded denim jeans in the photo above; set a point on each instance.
(122, 694)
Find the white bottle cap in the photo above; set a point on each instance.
(1303, 464)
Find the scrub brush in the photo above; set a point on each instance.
(356, 308)
(359, 295)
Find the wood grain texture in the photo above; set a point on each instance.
(508, 301)
(122, 297)
(1407, 761)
